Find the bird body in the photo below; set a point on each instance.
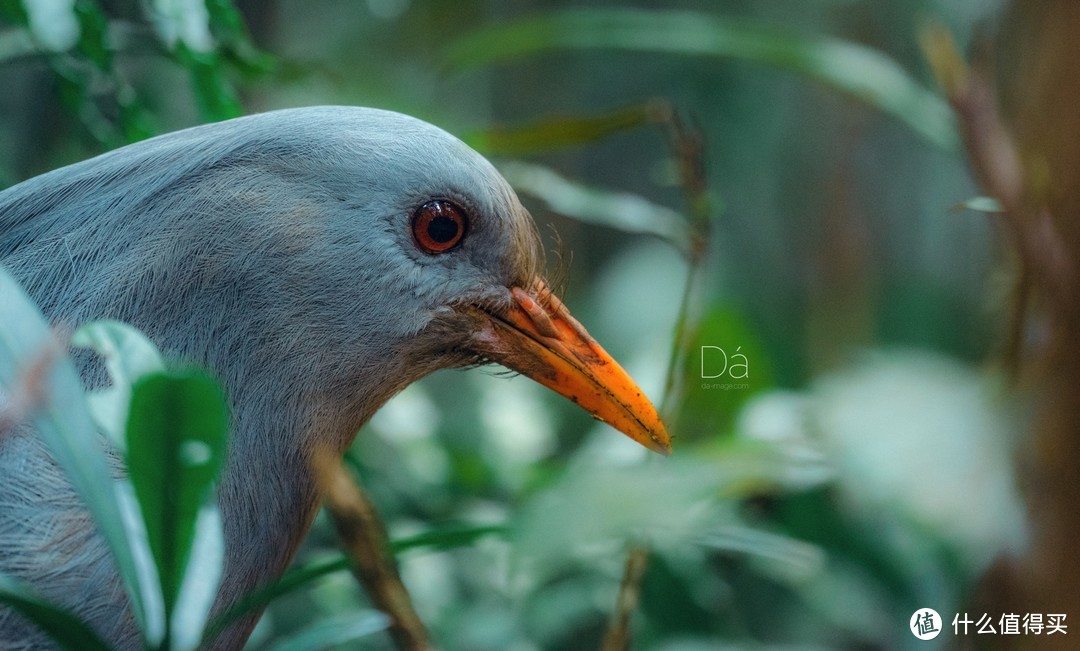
(316, 261)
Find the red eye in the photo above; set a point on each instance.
(438, 226)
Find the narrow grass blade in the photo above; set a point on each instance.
(857, 70)
(334, 631)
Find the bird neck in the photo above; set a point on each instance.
(268, 494)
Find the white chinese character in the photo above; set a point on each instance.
(985, 625)
(956, 622)
(1010, 624)
(1055, 623)
(1033, 623)
(925, 624)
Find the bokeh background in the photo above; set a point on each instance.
(835, 292)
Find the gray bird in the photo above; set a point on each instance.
(316, 261)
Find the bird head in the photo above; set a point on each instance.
(442, 266)
(318, 260)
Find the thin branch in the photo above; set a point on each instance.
(688, 146)
(366, 544)
(997, 166)
(618, 632)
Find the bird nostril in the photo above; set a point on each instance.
(536, 313)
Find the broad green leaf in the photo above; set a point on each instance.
(334, 631)
(201, 580)
(176, 437)
(717, 388)
(13, 12)
(619, 210)
(64, 423)
(68, 631)
(848, 67)
(128, 356)
(589, 511)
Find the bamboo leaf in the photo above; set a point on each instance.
(851, 68)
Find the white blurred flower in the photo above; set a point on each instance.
(780, 418)
(53, 23)
(928, 437)
(775, 417)
(184, 21)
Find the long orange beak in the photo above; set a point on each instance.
(538, 338)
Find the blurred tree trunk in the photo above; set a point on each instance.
(1039, 91)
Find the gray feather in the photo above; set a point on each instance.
(274, 250)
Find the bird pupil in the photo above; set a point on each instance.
(442, 229)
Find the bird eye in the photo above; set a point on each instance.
(438, 226)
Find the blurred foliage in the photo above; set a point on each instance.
(817, 501)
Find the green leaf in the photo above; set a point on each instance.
(215, 96)
(201, 580)
(176, 438)
(565, 131)
(234, 41)
(623, 211)
(68, 631)
(13, 12)
(715, 390)
(93, 34)
(63, 422)
(848, 67)
(259, 598)
(785, 557)
(15, 44)
(447, 537)
(334, 631)
(128, 356)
